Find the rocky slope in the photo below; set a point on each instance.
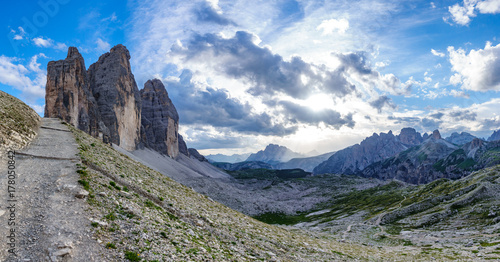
(375, 148)
(495, 136)
(18, 123)
(138, 213)
(273, 154)
(436, 158)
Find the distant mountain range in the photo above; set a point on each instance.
(274, 154)
(409, 156)
(227, 159)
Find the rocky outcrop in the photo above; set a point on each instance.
(495, 136)
(105, 102)
(196, 155)
(160, 121)
(67, 93)
(273, 154)
(410, 137)
(436, 134)
(117, 96)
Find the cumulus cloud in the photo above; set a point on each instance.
(462, 115)
(241, 58)
(437, 53)
(437, 115)
(479, 70)
(307, 115)
(206, 12)
(356, 66)
(41, 42)
(462, 14)
(331, 25)
(30, 81)
(214, 107)
(381, 102)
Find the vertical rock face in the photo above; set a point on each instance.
(409, 136)
(67, 93)
(105, 102)
(182, 146)
(117, 96)
(160, 121)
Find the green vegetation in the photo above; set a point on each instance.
(85, 184)
(132, 256)
(110, 245)
(269, 174)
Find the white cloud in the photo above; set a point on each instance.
(489, 7)
(461, 14)
(41, 42)
(433, 6)
(102, 45)
(479, 70)
(437, 53)
(329, 26)
(18, 76)
(455, 79)
(61, 46)
(456, 93)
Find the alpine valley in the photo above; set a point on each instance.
(142, 195)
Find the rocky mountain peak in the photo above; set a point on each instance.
(73, 53)
(460, 139)
(495, 136)
(409, 136)
(436, 134)
(118, 99)
(160, 121)
(68, 95)
(105, 102)
(273, 153)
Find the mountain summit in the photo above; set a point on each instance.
(273, 154)
(374, 148)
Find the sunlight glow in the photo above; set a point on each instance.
(319, 102)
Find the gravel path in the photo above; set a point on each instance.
(51, 223)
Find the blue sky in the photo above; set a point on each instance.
(310, 75)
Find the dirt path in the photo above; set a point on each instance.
(50, 222)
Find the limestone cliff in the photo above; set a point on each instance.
(105, 102)
(67, 93)
(160, 121)
(117, 96)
